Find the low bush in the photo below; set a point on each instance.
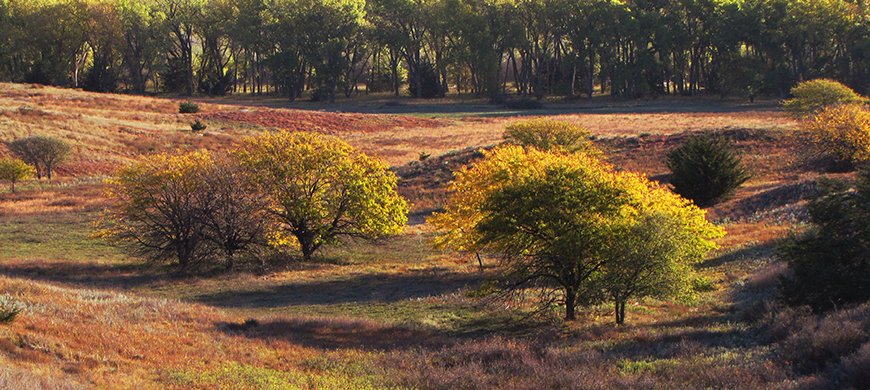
(706, 170)
(188, 107)
(549, 135)
(812, 348)
(198, 126)
(843, 132)
(812, 97)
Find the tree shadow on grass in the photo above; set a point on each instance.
(367, 288)
(748, 253)
(87, 274)
(336, 333)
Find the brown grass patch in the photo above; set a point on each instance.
(63, 199)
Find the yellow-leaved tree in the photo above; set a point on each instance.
(15, 170)
(563, 223)
(320, 189)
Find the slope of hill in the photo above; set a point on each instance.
(393, 314)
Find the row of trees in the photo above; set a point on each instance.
(491, 47)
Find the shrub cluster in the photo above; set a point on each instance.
(705, 170)
(41, 152)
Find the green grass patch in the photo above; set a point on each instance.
(233, 375)
(54, 237)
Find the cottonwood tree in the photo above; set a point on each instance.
(43, 153)
(319, 189)
(555, 219)
(14, 170)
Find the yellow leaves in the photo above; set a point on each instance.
(320, 187)
(843, 131)
(509, 165)
(812, 97)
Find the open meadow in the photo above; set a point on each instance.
(396, 313)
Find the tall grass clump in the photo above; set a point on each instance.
(706, 170)
(812, 97)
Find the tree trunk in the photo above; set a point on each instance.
(619, 310)
(570, 301)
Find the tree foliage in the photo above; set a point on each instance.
(829, 263)
(157, 208)
(320, 189)
(814, 96)
(842, 132)
(705, 170)
(294, 189)
(550, 136)
(15, 170)
(628, 49)
(43, 153)
(556, 221)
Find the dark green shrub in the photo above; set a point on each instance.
(8, 315)
(188, 107)
(830, 264)
(706, 170)
(197, 126)
(9, 309)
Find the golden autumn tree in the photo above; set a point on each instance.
(15, 170)
(320, 189)
(557, 220)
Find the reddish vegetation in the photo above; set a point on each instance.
(322, 122)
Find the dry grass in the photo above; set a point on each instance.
(394, 314)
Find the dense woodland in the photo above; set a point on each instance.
(491, 48)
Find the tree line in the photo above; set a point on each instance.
(491, 48)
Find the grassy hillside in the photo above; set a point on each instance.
(394, 314)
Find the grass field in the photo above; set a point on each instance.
(396, 313)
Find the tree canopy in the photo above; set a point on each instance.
(559, 221)
(533, 48)
(320, 189)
